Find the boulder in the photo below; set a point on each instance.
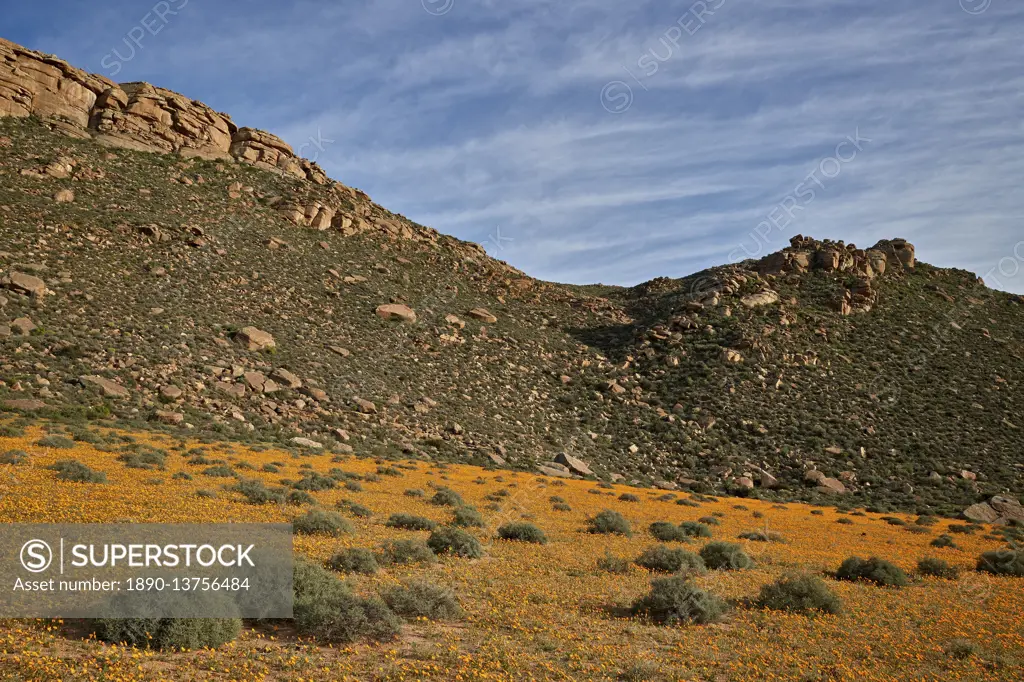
(548, 470)
(306, 443)
(745, 483)
(23, 326)
(768, 481)
(24, 284)
(761, 298)
(286, 378)
(397, 311)
(24, 404)
(255, 339)
(573, 464)
(483, 315)
(830, 486)
(108, 387)
(167, 417)
(665, 485)
(998, 510)
(365, 406)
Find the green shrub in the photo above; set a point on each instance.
(874, 570)
(146, 459)
(453, 540)
(669, 560)
(326, 609)
(57, 442)
(961, 649)
(629, 497)
(799, 593)
(219, 471)
(270, 468)
(13, 457)
(405, 552)
(414, 492)
(709, 521)
(355, 509)
(467, 517)
(944, 541)
(353, 486)
(667, 532)
(76, 472)
(1002, 562)
(613, 564)
(314, 481)
(410, 522)
(845, 521)
(168, 633)
(300, 497)
(321, 522)
(561, 506)
(446, 497)
(257, 493)
(419, 599)
(725, 555)
(354, 560)
(695, 529)
(522, 532)
(609, 522)
(182, 476)
(965, 529)
(937, 568)
(676, 600)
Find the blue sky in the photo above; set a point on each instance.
(601, 141)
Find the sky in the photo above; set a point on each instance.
(601, 141)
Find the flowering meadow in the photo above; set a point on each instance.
(532, 611)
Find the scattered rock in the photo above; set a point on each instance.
(365, 406)
(64, 196)
(998, 510)
(768, 481)
(397, 311)
(109, 388)
(24, 404)
(172, 418)
(573, 464)
(745, 483)
(483, 315)
(24, 284)
(286, 378)
(255, 339)
(553, 469)
(23, 326)
(306, 443)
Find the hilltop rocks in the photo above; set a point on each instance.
(759, 299)
(805, 253)
(397, 311)
(255, 339)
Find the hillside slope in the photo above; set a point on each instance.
(136, 286)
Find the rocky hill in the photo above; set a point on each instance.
(161, 266)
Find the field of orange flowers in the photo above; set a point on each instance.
(533, 612)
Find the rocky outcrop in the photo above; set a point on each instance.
(806, 253)
(999, 510)
(143, 117)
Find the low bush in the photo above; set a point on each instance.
(669, 560)
(695, 529)
(321, 522)
(219, 471)
(725, 555)
(355, 509)
(455, 541)
(667, 532)
(709, 521)
(354, 560)
(76, 472)
(405, 552)
(609, 522)
(468, 517)
(629, 497)
(561, 506)
(57, 442)
(410, 522)
(1002, 562)
(937, 568)
(255, 492)
(799, 593)
(314, 482)
(944, 541)
(420, 599)
(613, 564)
(299, 498)
(874, 570)
(326, 609)
(168, 633)
(676, 600)
(522, 532)
(13, 457)
(446, 497)
(415, 492)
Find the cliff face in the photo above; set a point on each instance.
(142, 117)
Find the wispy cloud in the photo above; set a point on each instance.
(490, 114)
